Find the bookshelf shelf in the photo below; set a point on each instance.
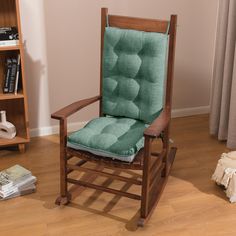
(11, 96)
(9, 48)
(10, 142)
(16, 106)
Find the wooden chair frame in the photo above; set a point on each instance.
(154, 173)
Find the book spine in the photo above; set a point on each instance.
(5, 182)
(4, 36)
(17, 74)
(13, 73)
(19, 186)
(6, 187)
(8, 33)
(9, 42)
(4, 194)
(20, 193)
(7, 78)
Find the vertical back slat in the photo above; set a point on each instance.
(171, 56)
(104, 12)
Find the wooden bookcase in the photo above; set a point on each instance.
(15, 105)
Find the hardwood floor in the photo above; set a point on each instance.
(190, 205)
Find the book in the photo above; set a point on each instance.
(17, 174)
(7, 43)
(7, 77)
(5, 183)
(20, 182)
(17, 74)
(8, 33)
(8, 192)
(18, 187)
(11, 85)
(24, 191)
(27, 181)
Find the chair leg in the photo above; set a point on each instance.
(151, 194)
(170, 153)
(65, 196)
(145, 182)
(170, 160)
(166, 147)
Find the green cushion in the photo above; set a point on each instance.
(134, 66)
(118, 138)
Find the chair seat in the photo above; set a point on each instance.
(112, 137)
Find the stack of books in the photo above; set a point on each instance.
(8, 36)
(12, 75)
(16, 181)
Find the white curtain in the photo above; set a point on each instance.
(223, 101)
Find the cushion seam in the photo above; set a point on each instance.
(97, 149)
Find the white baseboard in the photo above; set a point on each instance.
(191, 111)
(43, 131)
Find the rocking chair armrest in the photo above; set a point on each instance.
(159, 124)
(74, 107)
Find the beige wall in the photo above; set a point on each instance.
(62, 42)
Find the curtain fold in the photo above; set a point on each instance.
(223, 100)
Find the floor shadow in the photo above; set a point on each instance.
(77, 191)
(7, 151)
(130, 224)
(197, 155)
(35, 74)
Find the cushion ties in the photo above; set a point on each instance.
(168, 28)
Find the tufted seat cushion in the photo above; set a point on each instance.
(134, 65)
(118, 138)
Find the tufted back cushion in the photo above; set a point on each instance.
(134, 65)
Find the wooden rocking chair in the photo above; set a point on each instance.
(155, 166)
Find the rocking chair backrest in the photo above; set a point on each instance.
(133, 66)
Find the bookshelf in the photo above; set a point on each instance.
(15, 105)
